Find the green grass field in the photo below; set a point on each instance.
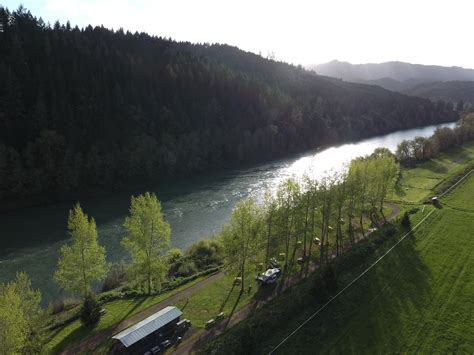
(116, 311)
(201, 306)
(418, 182)
(214, 297)
(419, 299)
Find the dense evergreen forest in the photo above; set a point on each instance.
(88, 109)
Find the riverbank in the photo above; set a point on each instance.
(199, 300)
(455, 159)
(18, 203)
(414, 292)
(195, 209)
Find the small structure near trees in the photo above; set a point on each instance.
(150, 333)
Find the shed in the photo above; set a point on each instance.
(149, 331)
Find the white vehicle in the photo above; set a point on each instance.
(269, 276)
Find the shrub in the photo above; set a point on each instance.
(173, 255)
(108, 296)
(90, 312)
(116, 276)
(58, 306)
(186, 269)
(206, 252)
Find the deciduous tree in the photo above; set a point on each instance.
(242, 237)
(148, 236)
(82, 261)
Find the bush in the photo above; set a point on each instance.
(116, 276)
(58, 306)
(206, 252)
(108, 296)
(186, 269)
(90, 312)
(173, 255)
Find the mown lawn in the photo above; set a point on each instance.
(214, 298)
(418, 182)
(201, 306)
(116, 311)
(419, 299)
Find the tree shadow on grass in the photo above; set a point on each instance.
(227, 298)
(137, 302)
(461, 154)
(77, 335)
(227, 321)
(82, 333)
(435, 167)
(381, 305)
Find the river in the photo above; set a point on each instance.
(196, 208)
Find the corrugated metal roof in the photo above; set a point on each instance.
(147, 326)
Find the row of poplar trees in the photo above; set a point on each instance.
(309, 216)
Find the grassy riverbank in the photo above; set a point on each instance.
(207, 301)
(419, 182)
(417, 299)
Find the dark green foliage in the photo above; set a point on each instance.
(330, 278)
(410, 152)
(206, 253)
(413, 210)
(405, 221)
(93, 109)
(186, 269)
(90, 312)
(174, 255)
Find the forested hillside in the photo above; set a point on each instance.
(453, 91)
(85, 109)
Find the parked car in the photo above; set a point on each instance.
(183, 325)
(165, 344)
(269, 276)
(155, 349)
(273, 264)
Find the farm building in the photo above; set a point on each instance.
(148, 333)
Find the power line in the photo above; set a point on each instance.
(347, 286)
(465, 176)
(363, 273)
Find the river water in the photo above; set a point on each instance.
(196, 208)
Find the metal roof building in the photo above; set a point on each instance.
(149, 325)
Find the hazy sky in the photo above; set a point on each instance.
(301, 32)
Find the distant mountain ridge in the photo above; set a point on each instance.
(430, 81)
(398, 71)
(452, 91)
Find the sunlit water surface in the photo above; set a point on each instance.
(30, 238)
